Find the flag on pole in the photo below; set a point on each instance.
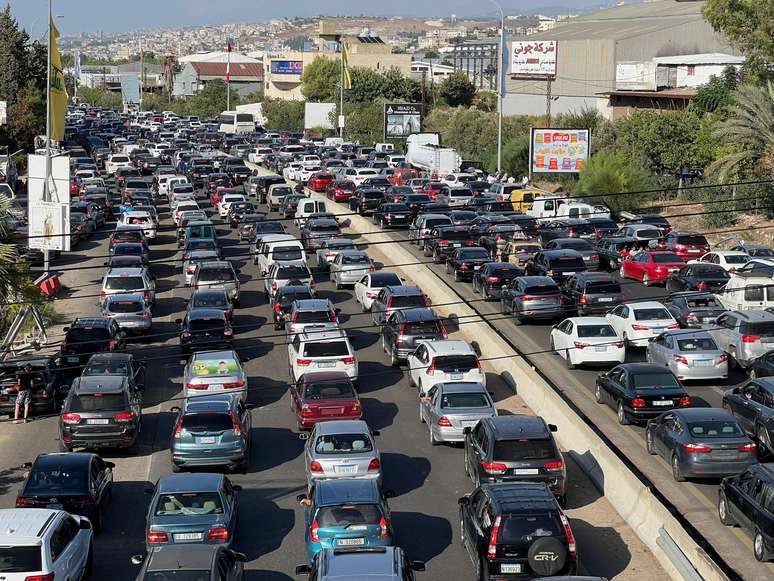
(77, 65)
(228, 61)
(57, 90)
(345, 66)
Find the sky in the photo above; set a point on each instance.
(122, 15)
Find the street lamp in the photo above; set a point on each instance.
(500, 87)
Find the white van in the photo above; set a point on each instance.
(276, 247)
(307, 208)
(395, 160)
(384, 147)
(747, 291)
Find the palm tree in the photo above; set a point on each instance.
(747, 134)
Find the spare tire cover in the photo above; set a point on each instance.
(547, 556)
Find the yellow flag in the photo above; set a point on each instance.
(57, 89)
(345, 66)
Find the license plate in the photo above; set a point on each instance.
(693, 251)
(54, 506)
(332, 411)
(477, 267)
(399, 216)
(345, 469)
(525, 471)
(326, 364)
(606, 300)
(600, 348)
(187, 536)
(350, 542)
(509, 568)
(457, 245)
(98, 422)
(73, 359)
(703, 362)
(455, 375)
(665, 402)
(567, 273)
(206, 440)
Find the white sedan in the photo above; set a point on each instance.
(226, 202)
(582, 340)
(730, 260)
(368, 287)
(637, 323)
(289, 171)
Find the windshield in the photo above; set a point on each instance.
(107, 368)
(697, 344)
(189, 504)
(701, 303)
(287, 253)
(526, 449)
(83, 334)
(542, 290)
(98, 402)
(210, 300)
(736, 258)
(332, 389)
(603, 288)
(206, 324)
(589, 331)
(343, 444)
(464, 400)
(355, 259)
(124, 283)
(20, 559)
(693, 239)
(179, 575)
(654, 380)
(326, 349)
(125, 307)
(656, 314)
(715, 429)
(345, 516)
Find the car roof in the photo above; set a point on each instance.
(645, 305)
(450, 347)
(517, 426)
(112, 356)
(348, 564)
(703, 414)
(417, 314)
(317, 334)
(215, 402)
(191, 557)
(190, 482)
(63, 459)
(316, 376)
(126, 272)
(512, 497)
(342, 427)
(461, 387)
(755, 315)
(643, 368)
(561, 253)
(581, 321)
(91, 322)
(346, 490)
(222, 354)
(134, 297)
(313, 304)
(24, 526)
(100, 383)
(532, 280)
(403, 290)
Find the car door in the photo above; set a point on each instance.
(618, 318)
(294, 348)
(720, 331)
(390, 330)
(738, 403)
(229, 495)
(670, 437)
(610, 385)
(428, 406)
(655, 350)
(69, 548)
(360, 289)
(417, 363)
(471, 514)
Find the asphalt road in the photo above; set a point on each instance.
(427, 481)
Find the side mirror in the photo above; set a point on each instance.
(26, 466)
(418, 566)
(303, 569)
(148, 491)
(463, 501)
(85, 524)
(553, 428)
(238, 271)
(376, 433)
(337, 310)
(240, 557)
(175, 409)
(110, 465)
(303, 436)
(137, 559)
(237, 487)
(389, 494)
(65, 329)
(179, 321)
(466, 430)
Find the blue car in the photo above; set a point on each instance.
(344, 513)
(191, 508)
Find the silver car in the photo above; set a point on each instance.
(341, 449)
(330, 248)
(349, 266)
(131, 311)
(214, 372)
(286, 272)
(689, 355)
(744, 335)
(217, 275)
(449, 408)
(195, 257)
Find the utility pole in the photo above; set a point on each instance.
(500, 88)
(341, 89)
(142, 72)
(548, 102)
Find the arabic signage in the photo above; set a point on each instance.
(534, 59)
(287, 67)
(402, 119)
(558, 150)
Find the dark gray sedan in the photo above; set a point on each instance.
(700, 443)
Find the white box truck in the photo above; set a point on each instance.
(424, 152)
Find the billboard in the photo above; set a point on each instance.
(534, 59)
(49, 220)
(402, 119)
(287, 67)
(558, 150)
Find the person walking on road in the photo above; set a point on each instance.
(24, 395)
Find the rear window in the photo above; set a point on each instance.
(326, 349)
(651, 314)
(451, 363)
(567, 262)
(20, 559)
(343, 444)
(287, 253)
(403, 301)
(653, 380)
(693, 239)
(737, 258)
(216, 274)
(701, 303)
(665, 258)
(606, 288)
(348, 515)
(474, 253)
(125, 307)
(108, 402)
(373, 195)
(518, 530)
(330, 390)
(697, 344)
(589, 331)
(355, 259)
(81, 334)
(292, 272)
(210, 300)
(207, 324)
(211, 422)
(189, 504)
(124, 283)
(312, 317)
(763, 329)
(753, 293)
(464, 400)
(649, 234)
(324, 228)
(433, 222)
(715, 429)
(526, 449)
(454, 235)
(542, 290)
(421, 328)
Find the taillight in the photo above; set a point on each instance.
(681, 359)
(640, 328)
(235, 425)
(374, 465)
(696, 448)
(157, 537)
(491, 551)
(701, 286)
(315, 466)
(303, 362)
(315, 538)
(443, 422)
(750, 338)
(583, 299)
(569, 534)
(674, 326)
(554, 465)
(217, 534)
(112, 344)
(123, 417)
(752, 448)
(348, 360)
(579, 345)
(494, 467)
(234, 384)
(179, 428)
(197, 385)
(431, 368)
(443, 243)
(228, 332)
(492, 279)
(277, 308)
(384, 525)
(71, 418)
(25, 502)
(723, 358)
(46, 577)
(685, 401)
(638, 402)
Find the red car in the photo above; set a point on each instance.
(651, 266)
(432, 189)
(401, 176)
(216, 196)
(323, 396)
(340, 190)
(687, 245)
(320, 181)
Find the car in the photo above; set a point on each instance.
(118, 261)
(694, 309)
(365, 200)
(214, 372)
(131, 311)
(369, 286)
(238, 212)
(395, 297)
(45, 544)
(392, 215)
(329, 248)
(640, 391)
(193, 258)
(697, 277)
(80, 482)
(194, 561)
(320, 181)
(86, 336)
(262, 230)
(351, 564)
(515, 448)
(443, 360)
(48, 385)
(212, 430)
(729, 260)
(211, 299)
(465, 262)
(444, 241)
(205, 328)
(405, 328)
(557, 264)
(314, 314)
(700, 443)
(349, 266)
(763, 366)
(744, 335)
(287, 272)
(129, 280)
(218, 275)
(424, 223)
(319, 396)
(745, 500)
(120, 364)
(687, 245)
(490, 279)
(449, 408)
(587, 340)
(532, 298)
(516, 530)
(191, 508)
(589, 252)
(638, 322)
(101, 412)
(566, 228)
(340, 190)
(591, 293)
(754, 250)
(752, 404)
(651, 266)
(341, 449)
(690, 355)
(316, 230)
(647, 233)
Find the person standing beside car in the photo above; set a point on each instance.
(24, 395)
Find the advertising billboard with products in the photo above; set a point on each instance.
(558, 150)
(287, 67)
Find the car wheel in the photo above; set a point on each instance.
(567, 361)
(646, 279)
(677, 473)
(622, 419)
(551, 344)
(753, 374)
(421, 417)
(627, 345)
(64, 447)
(384, 345)
(436, 257)
(177, 469)
(448, 268)
(723, 514)
(562, 500)
(759, 549)
(649, 443)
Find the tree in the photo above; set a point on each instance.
(515, 157)
(27, 117)
(98, 97)
(364, 121)
(320, 80)
(14, 61)
(748, 24)
(367, 86)
(611, 172)
(37, 64)
(718, 92)
(431, 54)
(211, 100)
(457, 89)
(284, 115)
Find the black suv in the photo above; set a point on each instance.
(87, 336)
(466, 261)
(48, 385)
(515, 448)
(283, 302)
(747, 500)
(516, 530)
(444, 241)
(100, 412)
(366, 200)
(590, 293)
(404, 328)
(558, 264)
